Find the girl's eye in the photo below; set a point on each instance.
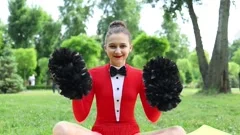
(112, 46)
(123, 46)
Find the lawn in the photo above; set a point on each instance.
(35, 113)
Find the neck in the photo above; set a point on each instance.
(117, 65)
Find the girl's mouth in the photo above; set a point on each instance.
(117, 56)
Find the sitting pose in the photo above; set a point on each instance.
(115, 86)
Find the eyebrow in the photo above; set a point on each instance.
(117, 43)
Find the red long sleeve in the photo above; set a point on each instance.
(152, 113)
(81, 108)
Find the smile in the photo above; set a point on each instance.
(117, 56)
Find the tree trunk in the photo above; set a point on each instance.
(218, 69)
(202, 61)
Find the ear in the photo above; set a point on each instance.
(105, 47)
(131, 47)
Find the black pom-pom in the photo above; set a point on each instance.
(162, 83)
(69, 71)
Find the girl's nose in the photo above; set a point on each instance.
(118, 50)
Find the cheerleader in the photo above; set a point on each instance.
(115, 87)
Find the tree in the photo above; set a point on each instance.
(87, 47)
(189, 77)
(236, 56)
(215, 74)
(10, 81)
(233, 47)
(2, 26)
(150, 46)
(178, 42)
(193, 59)
(184, 65)
(138, 61)
(26, 60)
(218, 68)
(43, 66)
(125, 10)
(74, 15)
(1, 41)
(4, 33)
(186, 69)
(23, 23)
(234, 70)
(47, 38)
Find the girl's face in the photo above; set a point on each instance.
(117, 48)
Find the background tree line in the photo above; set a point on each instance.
(31, 35)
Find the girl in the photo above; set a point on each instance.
(115, 86)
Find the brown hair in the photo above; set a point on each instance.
(117, 27)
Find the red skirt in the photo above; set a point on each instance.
(116, 129)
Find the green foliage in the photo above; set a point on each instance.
(74, 15)
(2, 34)
(1, 42)
(234, 81)
(17, 9)
(138, 61)
(89, 48)
(233, 48)
(47, 39)
(178, 42)
(125, 10)
(184, 65)
(189, 77)
(234, 70)
(182, 77)
(10, 81)
(236, 56)
(43, 67)
(2, 26)
(27, 61)
(172, 6)
(150, 46)
(23, 23)
(193, 59)
(4, 37)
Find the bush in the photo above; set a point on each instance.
(12, 84)
(43, 70)
(234, 82)
(150, 46)
(138, 61)
(10, 81)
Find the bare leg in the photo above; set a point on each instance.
(67, 128)
(176, 130)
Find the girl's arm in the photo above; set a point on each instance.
(152, 113)
(81, 107)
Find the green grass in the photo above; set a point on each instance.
(36, 112)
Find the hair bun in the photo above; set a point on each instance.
(117, 24)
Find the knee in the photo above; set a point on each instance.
(60, 128)
(178, 130)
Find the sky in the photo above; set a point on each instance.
(151, 19)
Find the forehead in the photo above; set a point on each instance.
(118, 38)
